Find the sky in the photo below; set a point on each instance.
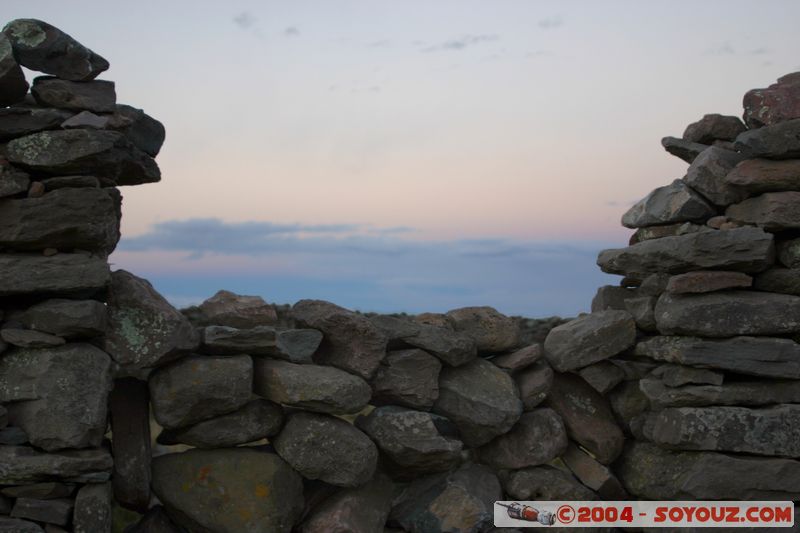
(411, 155)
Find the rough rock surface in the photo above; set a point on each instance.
(522, 358)
(452, 347)
(129, 406)
(670, 230)
(297, 345)
(145, 132)
(764, 175)
(236, 311)
(20, 465)
(534, 383)
(12, 80)
(93, 509)
(61, 274)
(773, 211)
(225, 340)
(602, 376)
(707, 175)
(57, 511)
(777, 141)
(777, 103)
(672, 203)
(750, 393)
(67, 318)
(491, 330)
(407, 377)
(362, 509)
(707, 281)
(589, 339)
(22, 121)
(713, 127)
(97, 96)
(545, 482)
(17, 525)
(683, 149)
(538, 437)
(594, 475)
(781, 280)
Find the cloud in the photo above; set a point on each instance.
(550, 23)
(722, 49)
(461, 42)
(291, 31)
(245, 20)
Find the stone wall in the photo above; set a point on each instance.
(241, 416)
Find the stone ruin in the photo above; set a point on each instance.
(682, 383)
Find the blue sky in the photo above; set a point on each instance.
(411, 155)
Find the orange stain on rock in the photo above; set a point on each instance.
(262, 491)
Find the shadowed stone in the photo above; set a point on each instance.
(296, 345)
(765, 175)
(25, 338)
(602, 376)
(154, 521)
(451, 347)
(629, 405)
(236, 311)
(678, 375)
(21, 121)
(491, 330)
(545, 482)
(85, 119)
(129, 404)
(707, 173)
(13, 181)
(224, 340)
(71, 182)
(670, 230)
(145, 132)
(40, 491)
(12, 80)
(93, 509)
(781, 280)
(642, 309)
(407, 377)
(778, 141)
(534, 383)
(61, 274)
(612, 297)
(753, 393)
(593, 474)
(67, 318)
(98, 96)
(16, 525)
(669, 204)
(789, 253)
(356, 510)
(713, 127)
(683, 149)
(20, 465)
(707, 281)
(589, 339)
(537, 438)
(57, 511)
(777, 103)
(773, 211)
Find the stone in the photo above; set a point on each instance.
(40, 491)
(21, 121)
(522, 358)
(777, 103)
(71, 319)
(80, 151)
(85, 119)
(36, 189)
(589, 339)
(154, 520)
(748, 393)
(773, 211)
(362, 509)
(97, 96)
(144, 330)
(93, 509)
(413, 442)
(440, 320)
(20, 465)
(197, 388)
(707, 173)
(602, 376)
(612, 297)
(653, 285)
(545, 482)
(13, 86)
(777, 141)
(51, 511)
(313, 387)
(453, 348)
(12, 181)
(236, 311)
(58, 394)
(728, 313)
(672, 203)
(71, 182)
(707, 281)
(407, 377)
(15, 525)
(789, 253)
(764, 175)
(746, 250)
(670, 230)
(224, 340)
(534, 383)
(537, 438)
(683, 149)
(770, 430)
(642, 309)
(129, 405)
(462, 500)
(62, 274)
(587, 416)
(350, 341)
(713, 127)
(3, 417)
(755, 356)
(296, 345)
(781, 280)
(630, 406)
(678, 375)
(491, 330)
(327, 448)
(480, 399)
(67, 218)
(234, 490)
(257, 420)
(594, 475)
(145, 132)
(26, 338)
(654, 473)
(13, 436)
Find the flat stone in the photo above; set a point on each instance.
(747, 393)
(155, 520)
(612, 297)
(452, 347)
(198, 486)
(755, 356)
(93, 509)
(313, 387)
(145, 132)
(224, 340)
(85, 119)
(80, 151)
(21, 465)
(602, 376)
(236, 311)
(58, 394)
(773, 211)
(642, 309)
(587, 416)
(522, 358)
(713, 127)
(458, 501)
(296, 345)
(362, 509)
(480, 399)
(728, 313)
(70, 319)
(51, 511)
(654, 285)
(538, 437)
(707, 173)
(764, 431)
(672, 203)
(683, 149)
(97, 96)
(21, 121)
(765, 175)
(71, 182)
(414, 442)
(327, 448)
(789, 253)
(781, 280)
(144, 330)
(534, 383)
(257, 420)
(26, 338)
(129, 406)
(742, 249)
(669, 230)
(545, 482)
(407, 377)
(40, 491)
(589, 339)
(777, 141)
(654, 473)
(12, 80)
(630, 406)
(491, 330)
(15, 525)
(678, 375)
(593, 474)
(44, 48)
(350, 341)
(197, 388)
(707, 281)
(62, 274)
(777, 103)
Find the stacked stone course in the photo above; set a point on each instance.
(683, 382)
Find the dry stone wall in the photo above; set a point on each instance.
(239, 416)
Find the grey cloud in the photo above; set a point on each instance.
(461, 43)
(291, 31)
(551, 22)
(245, 20)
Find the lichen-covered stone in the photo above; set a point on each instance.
(748, 393)
(407, 377)
(777, 103)
(93, 509)
(21, 465)
(491, 330)
(589, 339)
